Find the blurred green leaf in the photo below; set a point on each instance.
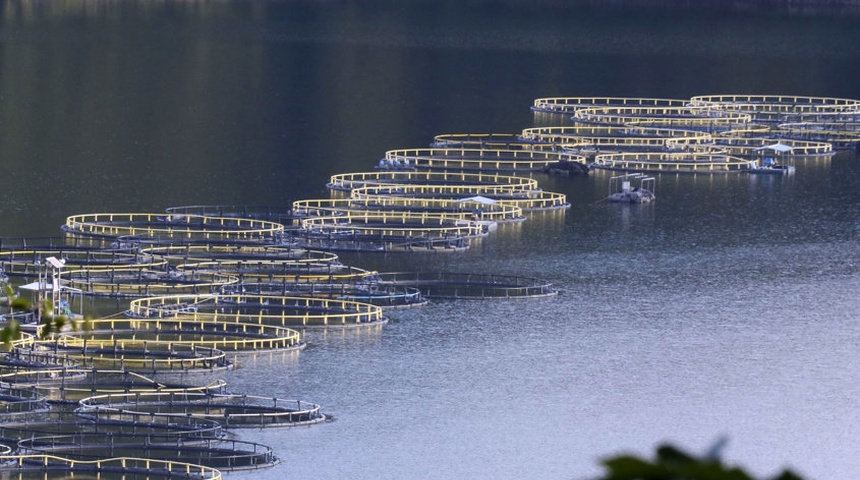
(672, 463)
(632, 468)
(19, 304)
(10, 333)
(787, 475)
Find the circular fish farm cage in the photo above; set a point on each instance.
(778, 108)
(21, 358)
(443, 285)
(52, 422)
(569, 105)
(252, 272)
(525, 200)
(242, 269)
(624, 115)
(389, 232)
(361, 201)
(63, 420)
(16, 401)
(464, 208)
(350, 181)
(138, 355)
(139, 282)
(21, 262)
(183, 254)
(841, 135)
(501, 141)
(254, 212)
(48, 467)
(389, 223)
(588, 139)
(70, 385)
(160, 227)
(372, 292)
(748, 147)
(230, 411)
(284, 311)
(168, 334)
(475, 160)
(672, 163)
(223, 454)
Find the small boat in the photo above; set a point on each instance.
(628, 193)
(770, 166)
(769, 163)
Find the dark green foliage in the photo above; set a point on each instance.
(673, 464)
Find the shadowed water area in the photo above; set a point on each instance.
(728, 307)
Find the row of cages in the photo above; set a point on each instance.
(810, 125)
(208, 284)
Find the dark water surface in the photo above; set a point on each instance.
(729, 307)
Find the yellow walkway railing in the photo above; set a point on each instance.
(569, 105)
(288, 311)
(160, 225)
(349, 181)
(122, 466)
(672, 162)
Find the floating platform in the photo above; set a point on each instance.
(631, 188)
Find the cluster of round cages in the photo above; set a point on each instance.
(813, 119)
(777, 109)
(61, 435)
(375, 189)
(445, 285)
(591, 140)
(122, 414)
(418, 211)
(183, 427)
(774, 108)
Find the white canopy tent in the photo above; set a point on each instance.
(776, 147)
(477, 199)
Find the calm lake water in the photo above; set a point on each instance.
(728, 308)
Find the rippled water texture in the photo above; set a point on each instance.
(728, 307)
